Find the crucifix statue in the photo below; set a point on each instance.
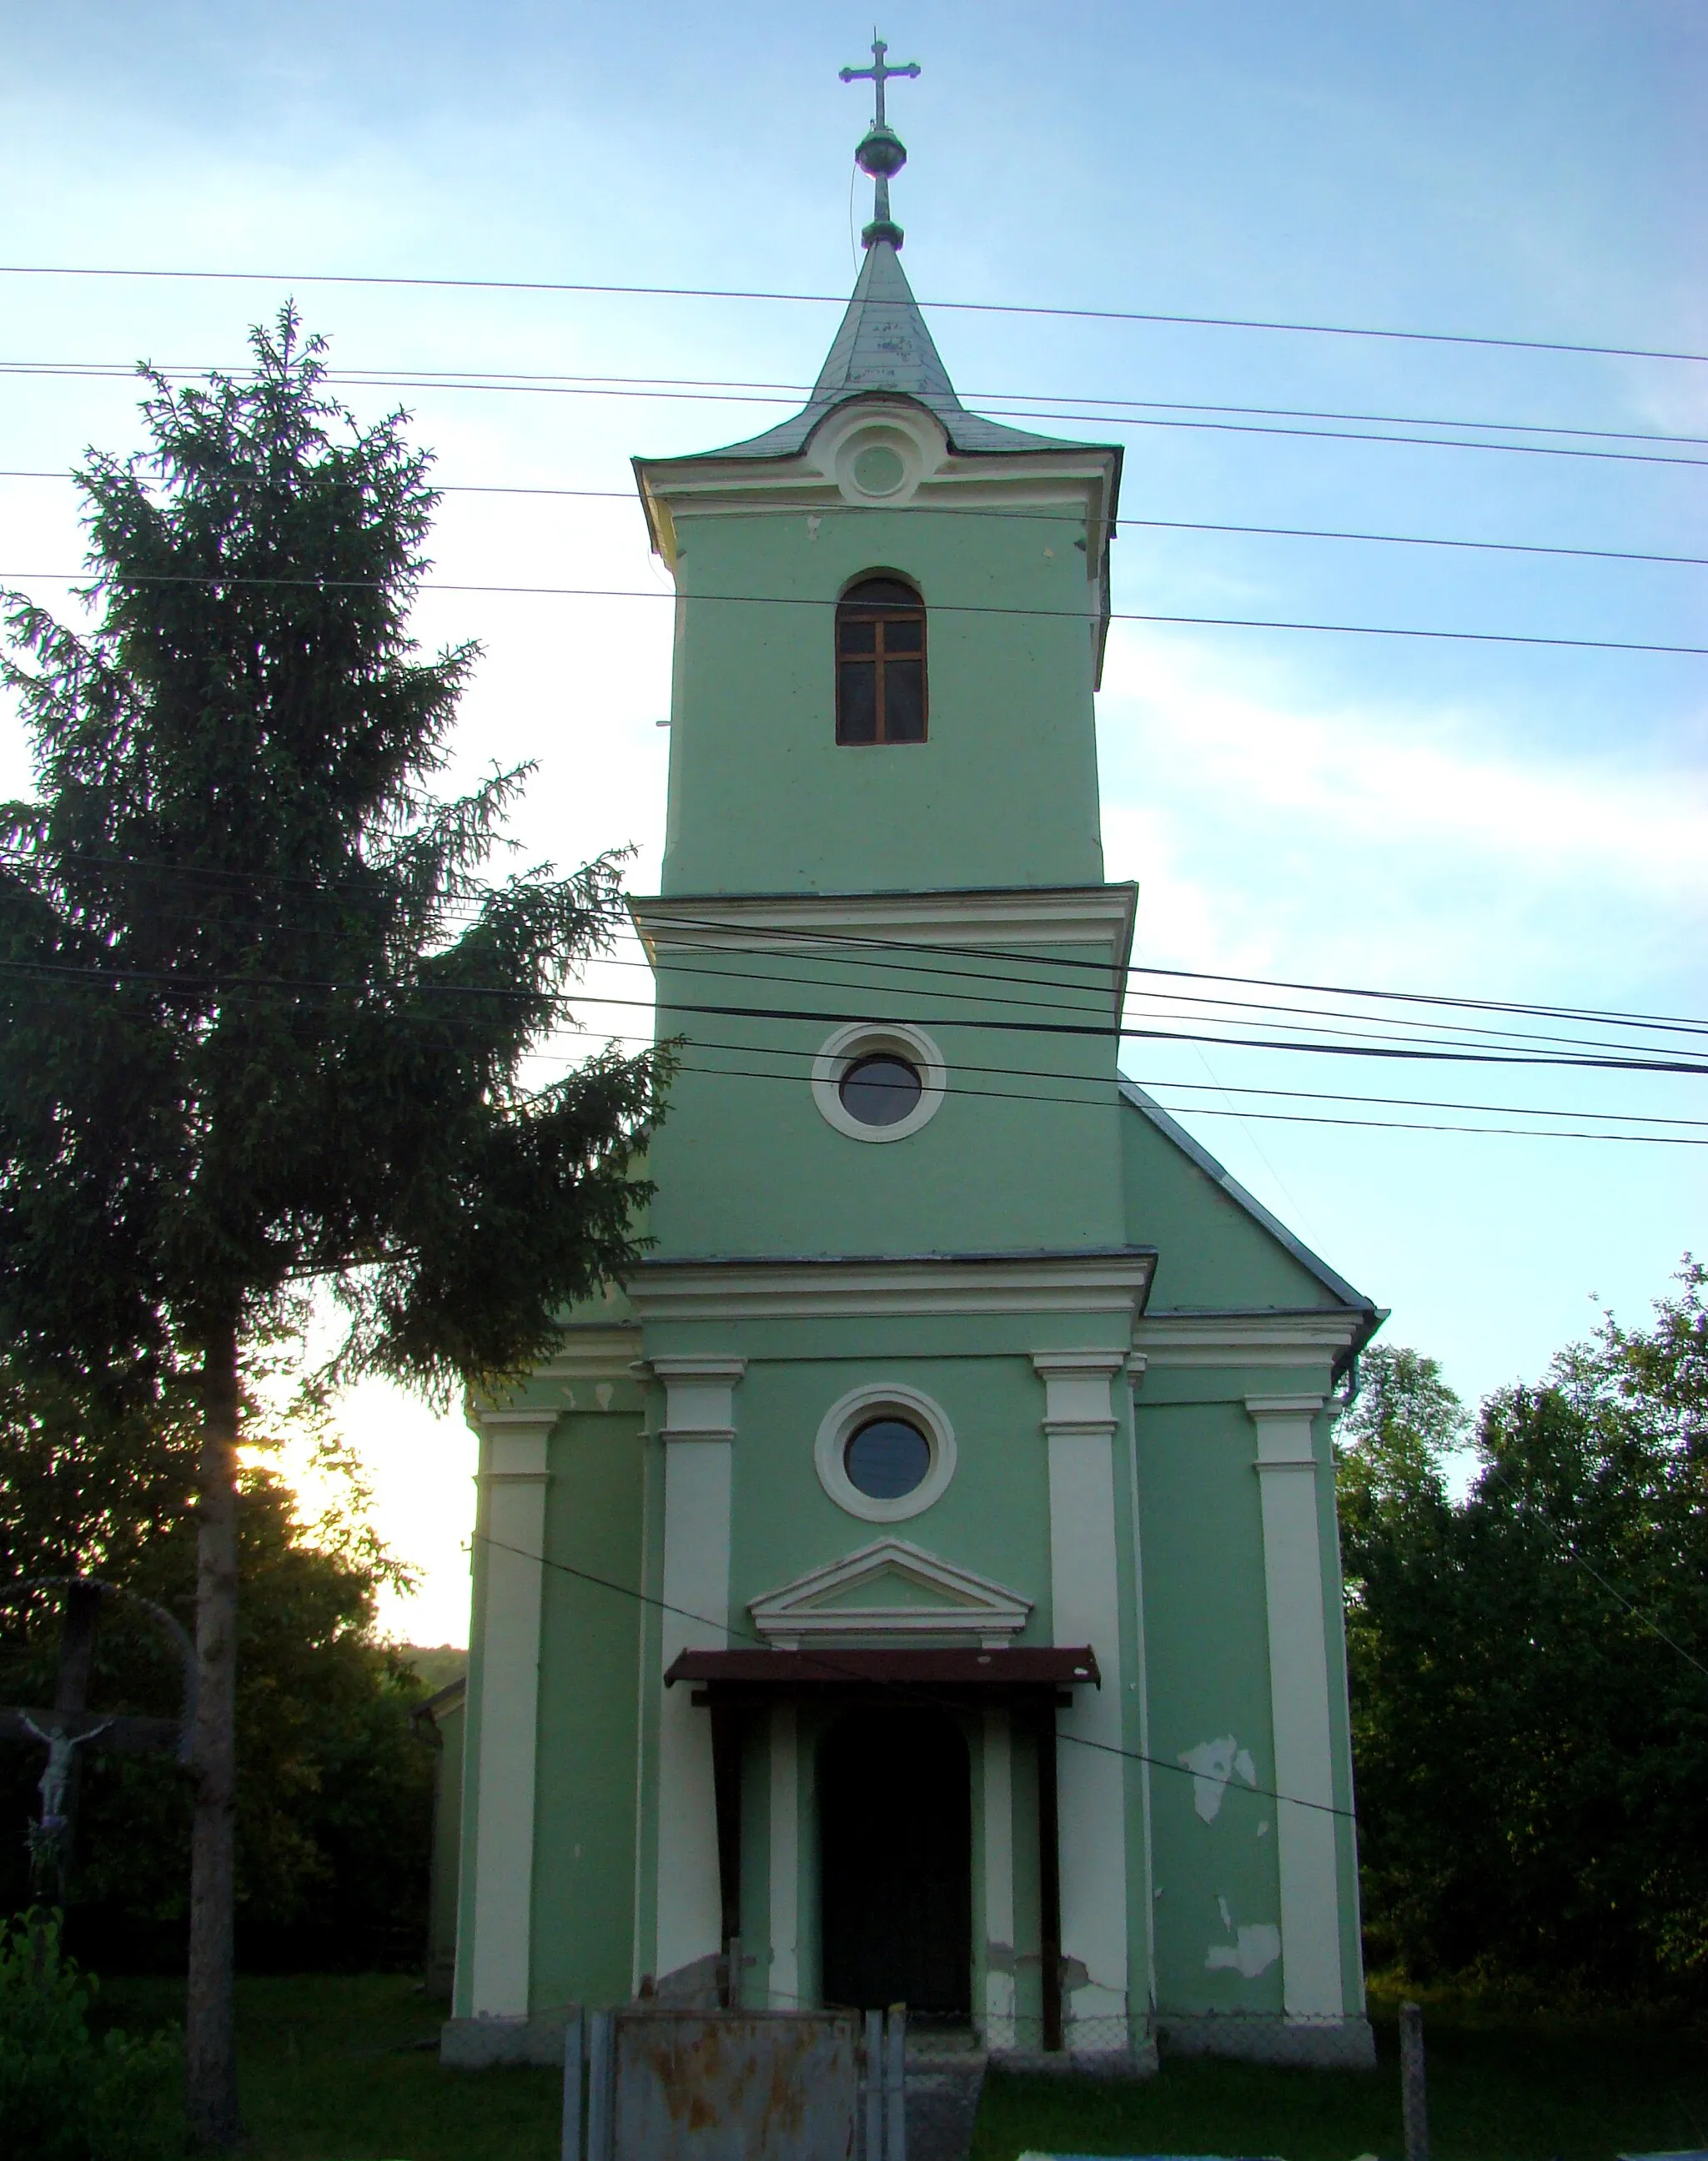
(881, 152)
(69, 1725)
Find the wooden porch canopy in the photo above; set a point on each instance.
(1031, 1683)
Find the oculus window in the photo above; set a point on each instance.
(881, 1089)
(884, 1452)
(886, 1458)
(881, 662)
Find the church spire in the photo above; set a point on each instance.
(881, 152)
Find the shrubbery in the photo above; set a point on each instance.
(1529, 1717)
(65, 2093)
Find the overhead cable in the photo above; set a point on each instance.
(626, 496)
(95, 579)
(712, 390)
(841, 301)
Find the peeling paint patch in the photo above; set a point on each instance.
(1212, 1763)
(1253, 1950)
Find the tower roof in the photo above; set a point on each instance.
(884, 349)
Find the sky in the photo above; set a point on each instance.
(1487, 819)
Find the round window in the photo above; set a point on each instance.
(879, 469)
(886, 1458)
(880, 1089)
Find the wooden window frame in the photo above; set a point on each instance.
(880, 614)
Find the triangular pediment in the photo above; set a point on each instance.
(888, 1591)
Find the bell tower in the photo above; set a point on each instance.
(1000, 535)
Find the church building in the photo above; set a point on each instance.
(918, 1583)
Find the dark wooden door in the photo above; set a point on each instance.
(895, 1863)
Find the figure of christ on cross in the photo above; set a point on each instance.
(69, 1725)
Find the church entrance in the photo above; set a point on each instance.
(895, 1863)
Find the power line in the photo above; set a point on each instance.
(108, 371)
(63, 992)
(729, 390)
(1589, 1569)
(1270, 1117)
(721, 971)
(822, 941)
(841, 301)
(69, 972)
(827, 1659)
(95, 580)
(815, 936)
(627, 496)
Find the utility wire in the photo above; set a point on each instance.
(841, 300)
(105, 371)
(627, 496)
(868, 949)
(1589, 1569)
(62, 993)
(1067, 997)
(814, 936)
(827, 1660)
(96, 581)
(69, 972)
(713, 390)
(586, 996)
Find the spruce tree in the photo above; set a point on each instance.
(264, 1012)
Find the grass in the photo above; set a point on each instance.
(332, 2070)
(1502, 2086)
(329, 2069)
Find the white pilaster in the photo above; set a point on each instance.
(699, 1434)
(999, 1881)
(784, 1983)
(499, 1778)
(1085, 1606)
(1299, 1689)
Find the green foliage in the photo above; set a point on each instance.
(1529, 1697)
(260, 1018)
(334, 1812)
(64, 2094)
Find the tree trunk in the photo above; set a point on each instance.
(210, 2035)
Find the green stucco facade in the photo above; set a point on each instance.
(1123, 1369)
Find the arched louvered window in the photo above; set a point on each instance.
(881, 663)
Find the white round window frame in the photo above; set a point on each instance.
(863, 1039)
(858, 1408)
(917, 439)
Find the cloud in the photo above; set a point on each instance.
(1377, 832)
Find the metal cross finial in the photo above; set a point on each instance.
(881, 152)
(879, 73)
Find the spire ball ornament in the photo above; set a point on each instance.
(881, 154)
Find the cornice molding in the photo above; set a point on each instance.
(607, 1352)
(1101, 916)
(873, 1289)
(1310, 1338)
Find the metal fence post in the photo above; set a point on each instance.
(599, 2083)
(895, 2053)
(874, 2087)
(1414, 2103)
(572, 2086)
